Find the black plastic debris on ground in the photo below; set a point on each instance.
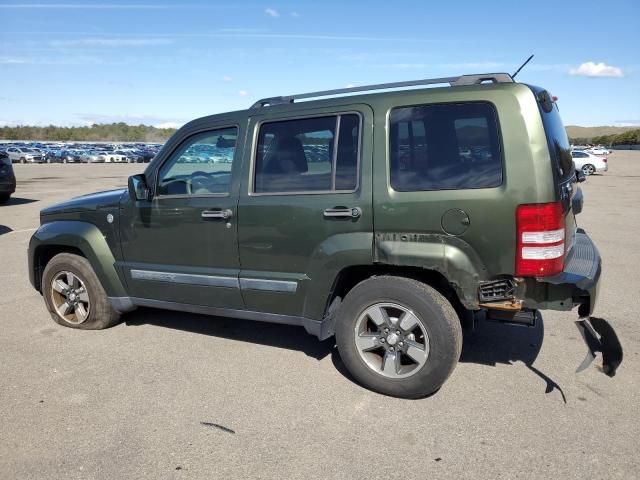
(221, 427)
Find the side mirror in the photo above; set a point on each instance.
(580, 176)
(138, 189)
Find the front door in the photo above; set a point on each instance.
(181, 246)
(306, 211)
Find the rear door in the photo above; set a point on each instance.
(305, 211)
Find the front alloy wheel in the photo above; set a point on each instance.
(391, 340)
(70, 298)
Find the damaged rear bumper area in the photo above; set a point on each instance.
(581, 278)
(577, 285)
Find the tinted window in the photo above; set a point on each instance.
(579, 155)
(201, 165)
(305, 155)
(444, 147)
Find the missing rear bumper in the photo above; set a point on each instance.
(600, 336)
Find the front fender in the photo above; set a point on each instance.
(76, 235)
(450, 256)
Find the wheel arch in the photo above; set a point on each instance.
(80, 238)
(351, 276)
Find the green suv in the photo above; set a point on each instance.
(385, 219)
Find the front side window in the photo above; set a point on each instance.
(307, 155)
(201, 165)
(444, 147)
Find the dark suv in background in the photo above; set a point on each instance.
(384, 219)
(7, 178)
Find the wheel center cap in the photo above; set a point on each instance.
(392, 339)
(72, 296)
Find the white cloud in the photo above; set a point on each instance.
(272, 12)
(243, 93)
(295, 14)
(112, 42)
(351, 85)
(227, 78)
(71, 60)
(168, 125)
(591, 69)
(131, 119)
(627, 123)
(90, 6)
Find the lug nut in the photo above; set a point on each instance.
(382, 340)
(391, 348)
(397, 332)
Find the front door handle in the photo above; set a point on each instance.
(224, 214)
(343, 212)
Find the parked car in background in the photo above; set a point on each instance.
(92, 156)
(112, 157)
(70, 156)
(598, 151)
(24, 155)
(589, 163)
(132, 156)
(7, 178)
(53, 156)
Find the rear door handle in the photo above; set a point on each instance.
(343, 212)
(224, 214)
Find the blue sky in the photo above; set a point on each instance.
(166, 62)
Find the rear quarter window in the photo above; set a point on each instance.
(444, 147)
(557, 140)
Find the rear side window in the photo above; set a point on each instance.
(308, 155)
(444, 147)
(557, 140)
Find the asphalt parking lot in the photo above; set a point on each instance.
(173, 395)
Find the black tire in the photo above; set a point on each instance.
(4, 198)
(22, 160)
(436, 316)
(100, 313)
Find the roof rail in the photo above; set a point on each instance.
(475, 79)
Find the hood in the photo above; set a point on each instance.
(91, 202)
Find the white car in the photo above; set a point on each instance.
(599, 151)
(111, 157)
(589, 163)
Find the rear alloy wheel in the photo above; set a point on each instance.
(588, 169)
(398, 336)
(74, 296)
(391, 340)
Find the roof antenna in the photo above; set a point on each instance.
(521, 67)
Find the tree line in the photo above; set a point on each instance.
(122, 132)
(631, 137)
(106, 132)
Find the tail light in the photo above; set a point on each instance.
(540, 243)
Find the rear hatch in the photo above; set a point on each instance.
(561, 163)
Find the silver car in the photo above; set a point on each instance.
(92, 156)
(25, 155)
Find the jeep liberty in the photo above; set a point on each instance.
(384, 219)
